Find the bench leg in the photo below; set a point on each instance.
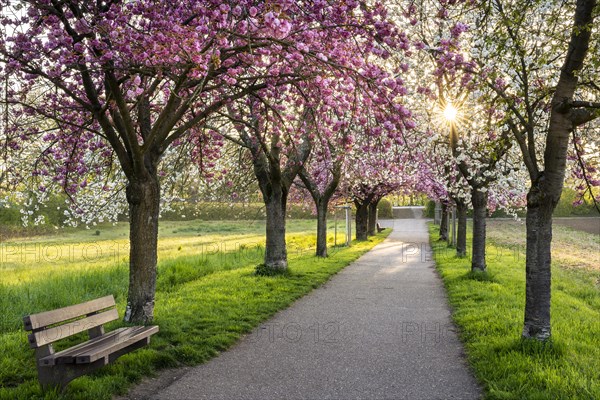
(58, 376)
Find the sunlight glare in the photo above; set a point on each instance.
(450, 113)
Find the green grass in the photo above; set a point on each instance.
(488, 308)
(207, 296)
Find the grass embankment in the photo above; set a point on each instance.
(207, 296)
(488, 308)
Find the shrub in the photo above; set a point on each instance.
(218, 211)
(10, 216)
(429, 211)
(384, 209)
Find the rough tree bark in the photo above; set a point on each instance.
(362, 219)
(322, 207)
(478, 182)
(547, 185)
(444, 223)
(461, 231)
(461, 205)
(537, 264)
(275, 198)
(143, 197)
(275, 177)
(321, 199)
(372, 219)
(274, 190)
(479, 200)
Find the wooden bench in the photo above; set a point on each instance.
(58, 369)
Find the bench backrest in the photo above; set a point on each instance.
(51, 326)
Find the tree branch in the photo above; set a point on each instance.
(582, 116)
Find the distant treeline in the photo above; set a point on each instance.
(11, 224)
(565, 207)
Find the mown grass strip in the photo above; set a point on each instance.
(203, 305)
(488, 308)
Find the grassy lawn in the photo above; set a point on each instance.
(207, 296)
(488, 308)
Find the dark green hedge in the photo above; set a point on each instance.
(429, 211)
(384, 209)
(216, 211)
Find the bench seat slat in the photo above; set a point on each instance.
(66, 356)
(43, 319)
(51, 335)
(122, 340)
(100, 347)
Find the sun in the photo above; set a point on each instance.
(450, 112)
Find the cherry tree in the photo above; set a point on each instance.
(477, 163)
(541, 64)
(437, 84)
(431, 179)
(351, 119)
(320, 176)
(379, 172)
(480, 156)
(566, 114)
(124, 81)
(281, 137)
(281, 126)
(279, 146)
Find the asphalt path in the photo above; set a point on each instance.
(380, 329)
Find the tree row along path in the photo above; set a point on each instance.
(380, 329)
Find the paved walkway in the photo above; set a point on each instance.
(380, 329)
(407, 212)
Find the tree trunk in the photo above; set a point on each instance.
(321, 200)
(276, 250)
(444, 223)
(461, 234)
(372, 223)
(144, 203)
(362, 218)
(479, 200)
(537, 265)
(322, 228)
(546, 187)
